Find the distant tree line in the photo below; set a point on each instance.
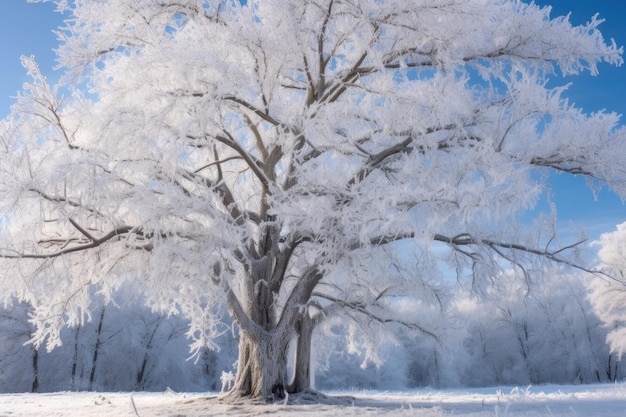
(121, 348)
(508, 334)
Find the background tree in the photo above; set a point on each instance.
(477, 345)
(550, 335)
(18, 360)
(609, 295)
(139, 350)
(275, 160)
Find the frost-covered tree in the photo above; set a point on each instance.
(608, 296)
(19, 361)
(129, 348)
(550, 335)
(281, 160)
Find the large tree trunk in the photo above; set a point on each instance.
(262, 361)
(261, 367)
(266, 333)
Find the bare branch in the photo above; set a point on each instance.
(376, 160)
(251, 161)
(565, 165)
(114, 234)
(466, 239)
(263, 115)
(361, 309)
(258, 138)
(335, 92)
(65, 200)
(218, 163)
(83, 231)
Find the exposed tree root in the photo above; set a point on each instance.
(309, 403)
(306, 397)
(311, 396)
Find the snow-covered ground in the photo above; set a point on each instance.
(606, 400)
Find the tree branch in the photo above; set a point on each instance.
(263, 115)
(301, 293)
(360, 308)
(236, 309)
(466, 239)
(376, 160)
(561, 165)
(95, 242)
(218, 163)
(251, 161)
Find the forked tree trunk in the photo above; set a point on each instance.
(265, 336)
(262, 363)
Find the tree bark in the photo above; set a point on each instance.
(75, 359)
(35, 385)
(146, 356)
(96, 350)
(266, 333)
(302, 378)
(261, 366)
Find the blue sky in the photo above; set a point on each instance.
(575, 202)
(27, 30)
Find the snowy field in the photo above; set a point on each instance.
(604, 400)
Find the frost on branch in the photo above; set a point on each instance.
(287, 161)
